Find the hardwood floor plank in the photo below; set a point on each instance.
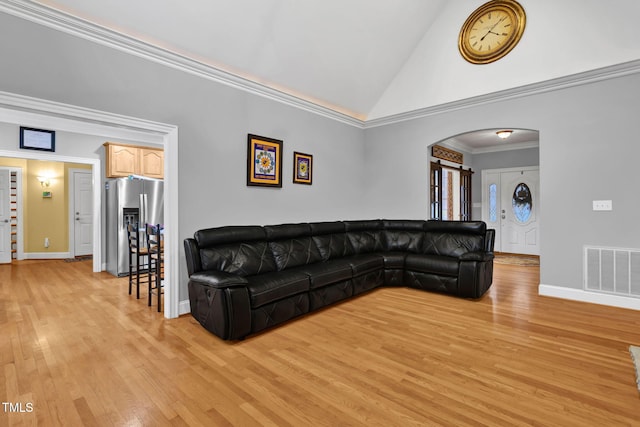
(84, 352)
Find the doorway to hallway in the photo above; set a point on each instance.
(18, 110)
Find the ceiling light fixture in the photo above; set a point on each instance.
(504, 134)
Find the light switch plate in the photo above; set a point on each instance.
(602, 205)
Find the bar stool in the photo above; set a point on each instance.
(156, 262)
(140, 255)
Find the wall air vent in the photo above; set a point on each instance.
(612, 270)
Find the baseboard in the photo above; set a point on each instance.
(184, 307)
(590, 297)
(47, 255)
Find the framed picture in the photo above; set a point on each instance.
(302, 168)
(264, 161)
(37, 139)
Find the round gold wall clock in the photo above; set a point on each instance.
(492, 31)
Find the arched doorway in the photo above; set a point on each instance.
(483, 151)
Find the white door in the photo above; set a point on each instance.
(511, 206)
(5, 216)
(519, 219)
(83, 213)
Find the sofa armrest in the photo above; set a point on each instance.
(218, 279)
(220, 303)
(477, 256)
(489, 240)
(475, 274)
(192, 255)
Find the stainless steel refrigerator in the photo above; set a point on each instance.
(135, 200)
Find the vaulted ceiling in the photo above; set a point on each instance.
(368, 59)
(341, 54)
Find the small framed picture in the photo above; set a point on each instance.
(37, 139)
(302, 168)
(264, 161)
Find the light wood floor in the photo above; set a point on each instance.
(82, 351)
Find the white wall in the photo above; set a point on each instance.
(561, 38)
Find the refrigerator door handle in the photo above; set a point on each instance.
(143, 211)
(146, 210)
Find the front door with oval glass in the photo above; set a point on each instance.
(510, 205)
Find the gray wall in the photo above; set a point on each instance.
(506, 159)
(213, 121)
(587, 152)
(587, 146)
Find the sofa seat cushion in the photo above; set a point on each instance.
(270, 287)
(365, 263)
(436, 264)
(393, 260)
(327, 273)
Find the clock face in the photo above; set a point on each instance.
(491, 31)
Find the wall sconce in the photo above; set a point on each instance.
(44, 181)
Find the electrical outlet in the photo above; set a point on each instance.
(602, 205)
(46, 242)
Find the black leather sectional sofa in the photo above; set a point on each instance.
(244, 279)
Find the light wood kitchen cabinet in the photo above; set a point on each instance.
(124, 160)
(152, 162)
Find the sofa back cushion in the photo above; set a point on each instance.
(331, 239)
(365, 236)
(292, 245)
(404, 235)
(453, 238)
(239, 250)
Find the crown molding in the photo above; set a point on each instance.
(506, 146)
(69, 24)
(16, 108)
(583, 78)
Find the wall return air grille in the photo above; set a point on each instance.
(612, 270)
